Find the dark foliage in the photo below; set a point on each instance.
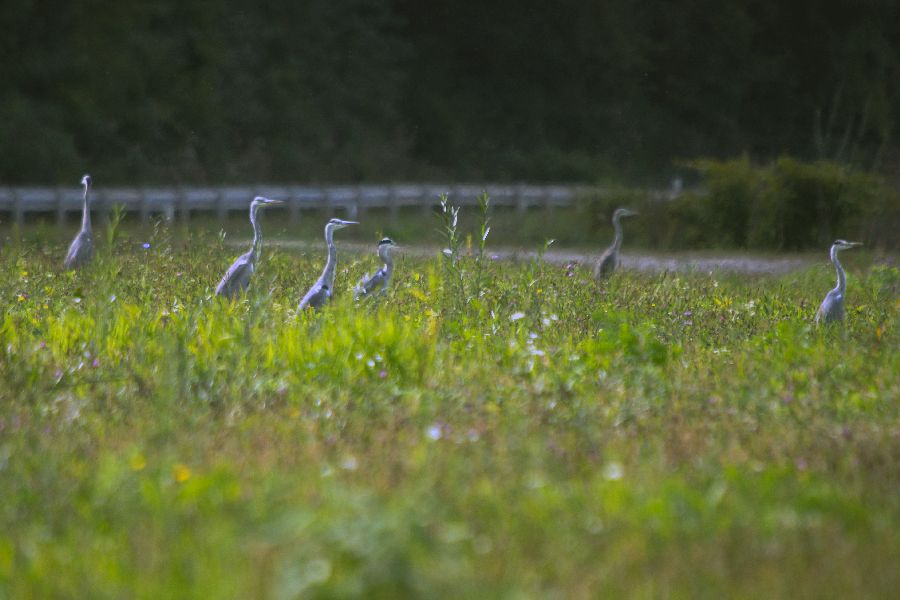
(377, 89)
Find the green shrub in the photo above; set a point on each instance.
(791, 205)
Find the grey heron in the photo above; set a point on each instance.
(832, 307)
(609, 260)
(82, 248)
(319, 294)
(378, 282)
(237, 277)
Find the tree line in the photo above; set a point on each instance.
(321, 90)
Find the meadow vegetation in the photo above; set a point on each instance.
(487, 429)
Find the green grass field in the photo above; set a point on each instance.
(490, 429)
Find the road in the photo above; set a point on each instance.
(701, 262)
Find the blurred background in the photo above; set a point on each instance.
(786, 114)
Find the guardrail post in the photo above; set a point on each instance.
(521, 201)
(393, 204)
(357, 208)
(293, 206)
(60, 208)
(221, 210)
(184, 211)
(142, 206)
(425, 201)
(18, 209)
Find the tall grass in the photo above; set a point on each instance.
(535, 434)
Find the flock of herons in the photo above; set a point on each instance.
(237, 277)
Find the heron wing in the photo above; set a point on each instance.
(370, 284)
(606, 264)
(832, 307)
(80, 251)
(316, 297)
(236, 278)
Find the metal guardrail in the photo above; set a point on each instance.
(353, 199)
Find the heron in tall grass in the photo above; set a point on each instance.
(319, 294)
(237, 277)
(609, 260)
(832, 307)
(378, 282)
(82, 248)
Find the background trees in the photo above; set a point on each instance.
(382, 89)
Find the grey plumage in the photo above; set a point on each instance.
(82, 248)
(378, 281)
(832, 307)
(320, 293)
(237, 277)
(609, 260)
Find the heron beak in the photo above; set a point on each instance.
(268, 201)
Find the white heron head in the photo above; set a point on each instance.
(844, 244)
(86, 181)
(261, 201)
(339, 223)
(624, 212)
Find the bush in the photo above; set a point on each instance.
(791, 205)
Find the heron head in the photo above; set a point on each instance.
(844, 244)
(624, 212)
(340, 223)
(86, 181)
(261, 201)
(388, 242)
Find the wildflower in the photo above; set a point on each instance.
(146, 245)
(181, 472)
(613, 471)
(516, 316)
(434, 432)
(138, 462)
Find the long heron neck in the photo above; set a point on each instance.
(86, 211)
(385, 254)
(841, 278)
(331, 263)
(617, 241)
(257, 234)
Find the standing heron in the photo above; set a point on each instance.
(609, 260)
(832, 308)
(319, 294)
(237, 277)
(82, 248)
(381, 278)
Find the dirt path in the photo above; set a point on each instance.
(629, 260)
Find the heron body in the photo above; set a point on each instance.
(320, 293)
(832, 307)
(609, 260)
(237, 278)
(82, 248)
(379, 281)
(317, 297)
